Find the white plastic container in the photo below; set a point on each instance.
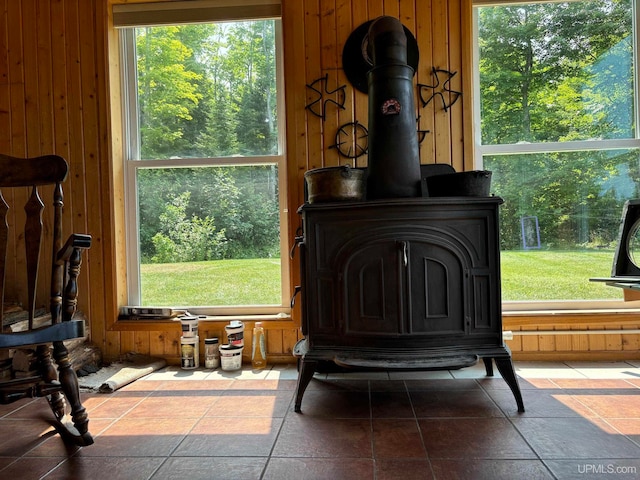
(230, 357)
(189, 354)
(189, 325)
(235, 333)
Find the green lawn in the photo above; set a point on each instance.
(220, 282)
(526, 275)
(556, 275)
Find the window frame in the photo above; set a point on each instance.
(481, 150)
(132, 164)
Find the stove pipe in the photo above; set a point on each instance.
(394, 159)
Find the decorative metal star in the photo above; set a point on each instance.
(439, 92)
(319, 105)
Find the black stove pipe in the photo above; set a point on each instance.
(394, 158)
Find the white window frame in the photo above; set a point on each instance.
(481, 150)
(132, 16)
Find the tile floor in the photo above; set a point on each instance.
(582, 421)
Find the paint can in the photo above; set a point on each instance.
(235, 333)
(189, 356)
(230, 357)
(189, 325)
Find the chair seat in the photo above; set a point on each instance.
(52, 333)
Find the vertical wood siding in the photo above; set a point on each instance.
(315, 33)
(52, 100)
(58, 65)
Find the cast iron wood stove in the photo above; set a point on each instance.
(401, 280)
(410, 284)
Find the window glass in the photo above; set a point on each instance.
(560, 220)
(209, 236)
(556, 72)
(207, 90)
(556, 98)
(203, 165)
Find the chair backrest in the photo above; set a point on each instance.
(32, 173)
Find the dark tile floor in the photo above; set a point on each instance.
(582, 421)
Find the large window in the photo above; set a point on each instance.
(203, 159)
(556, 106)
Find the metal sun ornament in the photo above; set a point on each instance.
(439, 89)
(319, 105)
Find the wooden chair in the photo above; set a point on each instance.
(61, 386)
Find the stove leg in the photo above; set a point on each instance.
(505, 367)
(488, 365)
(306, 370)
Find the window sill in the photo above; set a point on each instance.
(274, 321)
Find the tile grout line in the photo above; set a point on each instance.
(417, 423)
(275, 441)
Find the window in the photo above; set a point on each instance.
(556, 107)
(204, 162)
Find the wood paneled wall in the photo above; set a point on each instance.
(547, 338)
(53, 97)
(59, 94)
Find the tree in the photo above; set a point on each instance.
(555, 72)
(208, 90)
(167, 91)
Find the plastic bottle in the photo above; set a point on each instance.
(258, 351)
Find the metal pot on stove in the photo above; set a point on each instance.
(335, 184)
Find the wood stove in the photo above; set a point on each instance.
(410, 284)
(401, 280)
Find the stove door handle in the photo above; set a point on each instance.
(297, 241)
(296, 290)
(405, 256)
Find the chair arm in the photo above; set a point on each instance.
(64, 298)
(75, 240)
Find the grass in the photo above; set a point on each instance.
(526, 275)
(220, 282)
(556, 275)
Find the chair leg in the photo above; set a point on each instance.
(56, 399)
(69, 383)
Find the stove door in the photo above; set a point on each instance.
(439, 290)
(404, 286)
(372, 289)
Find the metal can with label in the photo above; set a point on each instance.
(189, 354)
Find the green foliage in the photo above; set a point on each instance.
(548, 69)
(185, 206)
(167, 90)
(557, 72)
(183, 239)
(207, 90)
